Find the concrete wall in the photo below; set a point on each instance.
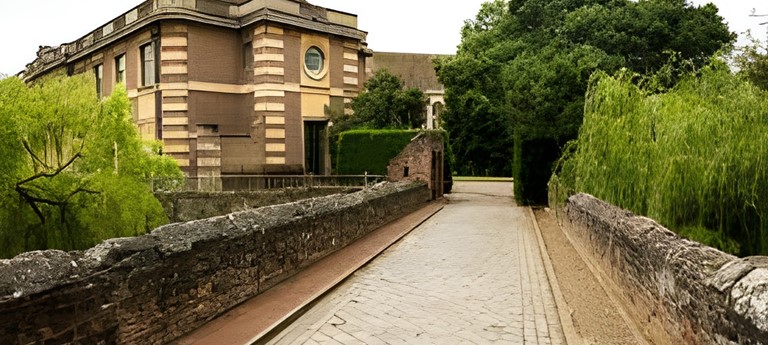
(675, 290)
(188, 206)
(155, 288)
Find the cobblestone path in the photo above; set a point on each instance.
(473, 273)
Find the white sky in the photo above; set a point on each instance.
(414, 26)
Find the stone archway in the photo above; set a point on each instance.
(435, 108)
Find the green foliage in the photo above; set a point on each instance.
(75, 169)
(386, 104)
(523, 67)
(643, 32)
(370, 150)
(693, 158)
(479, 128)
(752, 63)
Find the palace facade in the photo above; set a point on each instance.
(229, 86)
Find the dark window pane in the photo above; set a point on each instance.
(120, 69)
(148, 65)
(98, 71)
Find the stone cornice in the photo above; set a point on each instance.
(153, 11)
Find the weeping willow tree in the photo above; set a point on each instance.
(694, 158)
(74, 168)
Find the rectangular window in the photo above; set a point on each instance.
(147, 65)
(98, 71)
(120, 69)
(248, 56)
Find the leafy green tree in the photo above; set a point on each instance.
(385, 103)
(75, 169)
(531, 61)
(476, 117)
(644, 32)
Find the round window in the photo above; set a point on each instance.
(314, 61)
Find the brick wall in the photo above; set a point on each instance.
(154, 288)
(215, 54)
(675, 290)
(421, 160)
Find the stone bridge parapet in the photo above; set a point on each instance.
(188, 206)
(675, 290)
(154, 288)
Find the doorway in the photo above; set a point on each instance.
(315, 147)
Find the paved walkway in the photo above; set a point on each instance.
(473, 273)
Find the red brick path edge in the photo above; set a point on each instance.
(254, 321)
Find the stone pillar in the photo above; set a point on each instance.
(352, 73)
(269, 97)
(430, 117)
(174, 76)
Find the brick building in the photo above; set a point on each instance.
(229, 86)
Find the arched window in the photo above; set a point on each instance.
(437, 109)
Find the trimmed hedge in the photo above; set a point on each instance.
(532, 169)
(370, 150)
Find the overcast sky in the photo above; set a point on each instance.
(414, 26)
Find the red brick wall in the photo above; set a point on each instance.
(423, 160)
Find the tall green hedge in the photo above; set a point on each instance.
(532, 168)
(370, 150)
